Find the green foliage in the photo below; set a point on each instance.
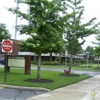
(96, 51)
(46, 63)
(68, 60)
(45, 26)
(97, 38)
(76, 61)
(75, 28)
(82, 61)
(58, 58)
(96, 61)
(4, 33)
(49, 63)
(33, 62)
(54, 63)
(89, 49)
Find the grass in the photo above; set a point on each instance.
(17, 77)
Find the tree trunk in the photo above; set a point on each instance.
(60, 58)
(71, 61)
(50, 57)
(74, 60)
(98, 64)
(39, 67)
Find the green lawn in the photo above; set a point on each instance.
(17, 77)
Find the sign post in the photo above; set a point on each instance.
(7, 46)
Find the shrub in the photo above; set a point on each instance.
(58, 58)
(54, 63)
(83, 61)
(46, 63)
(33, 62)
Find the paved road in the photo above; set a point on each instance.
(91, 73)
(18, 94)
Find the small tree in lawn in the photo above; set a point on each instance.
(89, 49)
(96, 53)
(45, 27)
(75, 28)
(76, 47)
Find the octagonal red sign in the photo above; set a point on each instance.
(7, 46)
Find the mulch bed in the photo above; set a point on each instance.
(39, 81)
(70, 75)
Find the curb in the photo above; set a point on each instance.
(27, 88)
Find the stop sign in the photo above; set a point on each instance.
(7, 46)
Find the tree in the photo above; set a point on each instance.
(96, 53)
(4, 33)
(89, 49)
(98, 39)
(75, 28)
(45, 27)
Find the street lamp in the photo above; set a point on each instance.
(87, 53)
(17, 7)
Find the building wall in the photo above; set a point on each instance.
(16, 47)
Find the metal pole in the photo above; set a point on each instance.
(6, 67)
(87, 60)
(65, 58)
(17, 7)
(15, 27)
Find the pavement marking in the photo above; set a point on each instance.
(1, 87)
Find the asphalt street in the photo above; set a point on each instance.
(91, 73)
(18, 94)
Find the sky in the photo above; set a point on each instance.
(92, 8)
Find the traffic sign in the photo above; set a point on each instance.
(7, 46)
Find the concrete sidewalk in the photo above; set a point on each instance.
(79, 91)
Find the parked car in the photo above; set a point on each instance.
(2, 61)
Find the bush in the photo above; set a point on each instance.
(54, 63)
(46, 63)
(49, 63)
(96, 61)
(33, 62)
(83, 61)
(58, 58)
(76, 61)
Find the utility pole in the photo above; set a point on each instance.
(87, 58)
(16, 20)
